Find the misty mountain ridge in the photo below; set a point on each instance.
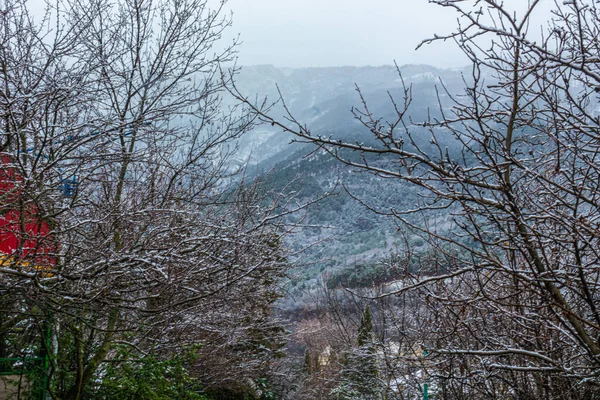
(322, 99)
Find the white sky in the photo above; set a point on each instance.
(321, 33)
(317, 33)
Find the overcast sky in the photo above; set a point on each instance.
(317, 33)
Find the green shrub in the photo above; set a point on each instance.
(149, 378)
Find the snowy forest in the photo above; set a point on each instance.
(176, 226)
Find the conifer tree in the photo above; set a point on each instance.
(307, 368)
(359, 378)
(365, 330)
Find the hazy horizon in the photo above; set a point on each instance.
(356, 66)
(334, 33)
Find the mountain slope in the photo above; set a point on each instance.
(342, 230)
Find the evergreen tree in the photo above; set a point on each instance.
(359, 379)
(365, 330)
(307, 367)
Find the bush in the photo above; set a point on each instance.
(149, 378)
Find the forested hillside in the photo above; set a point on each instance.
(341, 230)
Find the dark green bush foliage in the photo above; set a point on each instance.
(149, 378)
(364, 275)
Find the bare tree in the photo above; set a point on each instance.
(115, 139)
(515, 306)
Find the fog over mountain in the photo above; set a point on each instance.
(344, 231)
(322, 98)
